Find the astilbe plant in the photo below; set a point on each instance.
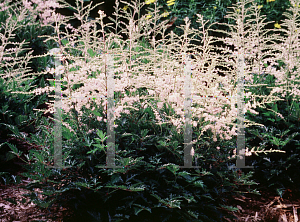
(280, 120)
(167, 77)
(156, 186)
(16, 54)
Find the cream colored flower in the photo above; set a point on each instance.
(192, 151)
(102, 14)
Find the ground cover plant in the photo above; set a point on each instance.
(149, 112)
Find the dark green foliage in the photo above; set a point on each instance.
(215, 11)
(276, 170)
(149, 186)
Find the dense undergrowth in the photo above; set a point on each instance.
(277, 171)
(149, 185)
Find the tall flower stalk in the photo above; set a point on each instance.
(163, 76)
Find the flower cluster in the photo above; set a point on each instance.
(44, 8)
(167, 79)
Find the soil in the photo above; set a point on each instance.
(13, 205)
(266, 207)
